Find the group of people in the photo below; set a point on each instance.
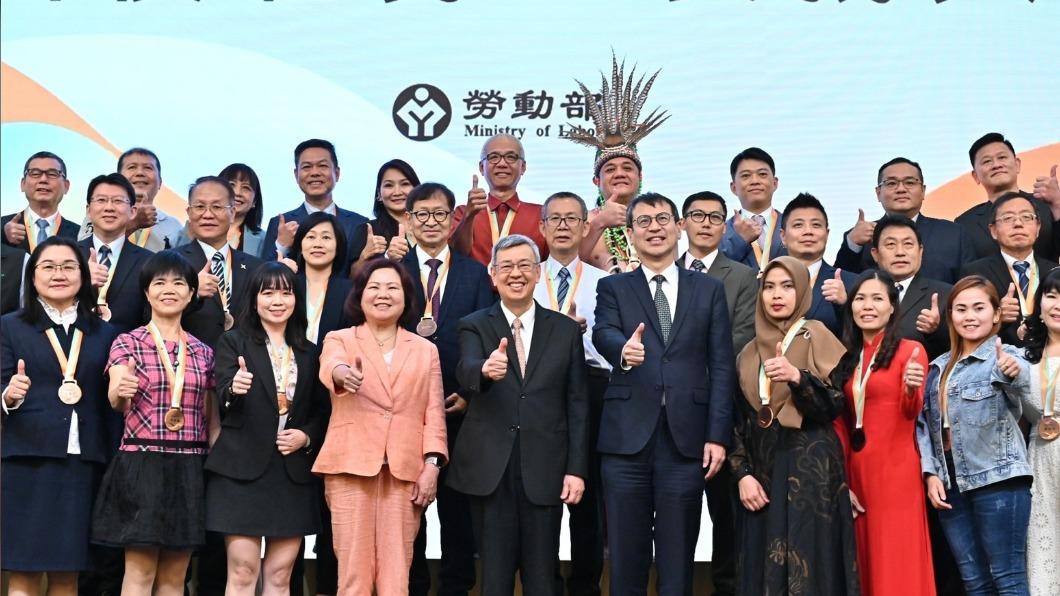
(886, 425)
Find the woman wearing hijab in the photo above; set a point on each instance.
(797, 532)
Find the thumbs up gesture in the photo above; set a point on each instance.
(612, 213)
(285, 232)
(207, 282)
(352, 377)
(1047, 189)
(1010, 305)
(373, 245)
(476, 198)
(633, 351)
(399, 245)
(496, 366)
(128, 382)
(1009, 366)
(18, 386)
(861, 233)
(779, 370)
(241, 382)
(748, 229)
(15, 229)
(833, 289)
(97, 271)
(572, 312)
(914, 372)
(929, 318)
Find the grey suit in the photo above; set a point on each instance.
(741, 292)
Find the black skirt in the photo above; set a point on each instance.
(45, 513)
(151, 499)
(271, 505)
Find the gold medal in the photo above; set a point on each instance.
(282, 403)
(765, 417)
(229, 321)
(69, 392)
(104, 311)
(1048, 428)
(174, 419)
(426, 327)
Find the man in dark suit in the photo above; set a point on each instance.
(316, 169)
(523, 450)
(1015, 269)
(11, 275)
(114, 262)
(996, 168)
(44, 184)
(900, 189)
(668, 413)
(457, 286)
(752, 236)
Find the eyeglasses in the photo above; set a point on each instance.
(699, 216)
(51, 174)
(1024, 218)
(662, 219)
(199, 210)
(423, 215)
(102, 201)
(68, 267)
(507, 267)
(553, 221)
(892, 183)
(495, 158)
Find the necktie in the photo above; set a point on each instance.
(432, 280)
(662, 307)
(563, 287)
(901, 288)
(698, 265)
(761, 221)
(520, 350)
(217, 268)
(104, 256)
(42, 234)
(1021, 268)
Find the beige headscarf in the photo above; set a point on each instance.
(814, 348)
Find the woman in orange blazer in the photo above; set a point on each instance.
(386, 439)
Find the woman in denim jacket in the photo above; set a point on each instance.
(972, 452)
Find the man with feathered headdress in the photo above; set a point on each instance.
(617, 168)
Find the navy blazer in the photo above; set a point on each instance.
(349, 221)
(128, 305)
(976, 224)
(334, 315)
(946, 249)
(831, 315)
(40, 427)
(736, 248)
(207, 322)
(696, 368)
(11, 276)
(467, 289)
(995, 269)
(67, 229)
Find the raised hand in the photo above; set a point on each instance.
(373, 245)
(914, 372)
(748, 229)
(833, 289)
(97, 271)
(242, 380)
(128, 383)
(291, 264)
(752, 496)
(399, 245)
(496, 366)
(633, 351)
(18, 386)
(1047, 189)
(285, 232)
(354, 376)
(1010, 305)
(572, 312)
(861, 233)
(779, 370)
(208, 282)
(15, 230)
(1009, 366)
(146, 215)
(929, 319)
(611, 214)
(476, 198)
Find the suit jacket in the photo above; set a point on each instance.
(11, 261)
(547, 409)
(946, 250)
(467, 289)
(739, 250)
(67, 229)
(831, 315)
(207, 323)
(334, 315)
(249, 422)
(994, 269)
(347, 219)
(128, 306)
(41, 425)
(397, 415)
(917, 298)
(695, 368)
(976, 222)
(741, 294)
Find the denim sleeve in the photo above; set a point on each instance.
(929, 464)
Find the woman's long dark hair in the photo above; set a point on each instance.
(388, 226)
(273, 275)
(32, 311)
(853, 337)
(1037, 333)
(241, 171)
(341, 248)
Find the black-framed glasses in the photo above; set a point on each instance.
(423, 215)
(554, 221)
(893, 183)
(495, 158)
(1010, 218)
(51, 174)
(644, 221)
(699, 216)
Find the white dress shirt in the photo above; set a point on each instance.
(209, 252)
(115, 248)
(708, 261)
(669, 287)
(584, 300)
(527, 332)
(814, 269)
(425, 271)
(30, 218)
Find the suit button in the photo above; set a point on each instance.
(666, 360)
(658, 387)
(513, 427)
(523, 396)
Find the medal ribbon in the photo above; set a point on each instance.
(176, 378)
(859, 385)
(428, 310)
(1026, 306)
(31, 234)
(139, 237)
(283, 372)
(554, 299)
(1048, 382)
(765, 386)
(68, 365)
(504, 231)
(762, 255)
(315, 311)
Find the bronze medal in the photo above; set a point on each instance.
(104, 311)
(229, 321)
(174, 419)
(281, 402)
(69, 392)
(857, 440)
(765, 417)
(426, 327)
(1048, 428)
(947, 440)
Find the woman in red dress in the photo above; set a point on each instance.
(882, 376)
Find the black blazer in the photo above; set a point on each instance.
(548, 409)
(11, 260)
(994, 269)
(976, 222)
(824, 311)
(741, 295)
(347, 219)
(40, 427)
(917, 298)
(248, 422)
(696, 368)
(128, 306)
(67, 229)
(467, 289)
(207, 322)
(946, 249)
(334, 315)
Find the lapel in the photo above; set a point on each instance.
(500, 325)
(982, 214)
(411, 262)
(776, 247)
(720, 268)
(916, 292)
(686, 290)
(240, 275)
(261, 365)
(999, 271)
(457, 264)
(374, 357)
(543, 324)
(826, 272)
(638, 286)
(402, 348)
(193, 252)
(127, 263)
(304, 385)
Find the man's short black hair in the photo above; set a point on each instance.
(751, 153)
(804, 201)
(705, 195)
(894, 221)
(45, 155)
(115, 179)
(653, 199)
(987, 139)
(316, 144)
(426, 190)
(140, 151)
(898, 160)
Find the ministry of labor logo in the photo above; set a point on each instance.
(422, 112)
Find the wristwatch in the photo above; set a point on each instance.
(433, 460)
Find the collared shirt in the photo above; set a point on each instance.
(527, 222)
(815, 268)
(425, 269)
(30, 222)
(527, 332)
(584, 300)
(708, 261)
(115, 248)
(669, 288)
(1011, 260)
(903, 287)
(209, 250)
(331, 208)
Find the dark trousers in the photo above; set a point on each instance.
(327, 563)
(213, 566)
(655, 495)
(106, 576)
(721, 503)
(517, 535)
(586, 521)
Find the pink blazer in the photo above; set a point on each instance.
(397, 415)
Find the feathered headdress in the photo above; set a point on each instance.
(615, 116)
